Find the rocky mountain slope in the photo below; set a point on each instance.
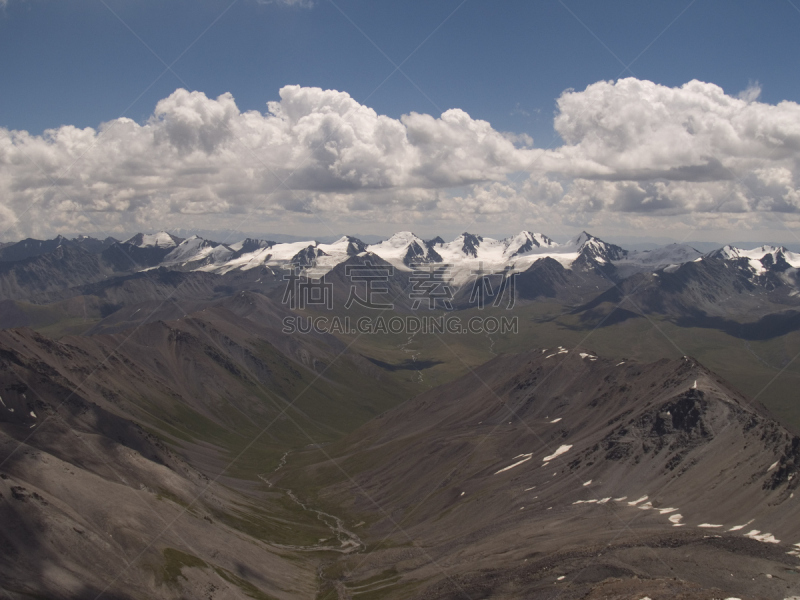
(729, 289)
(562, 474)
(130, 462)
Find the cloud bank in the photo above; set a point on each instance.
(632, 148)
(635, 146)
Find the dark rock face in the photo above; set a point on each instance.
(307, 257)
(416, 254)
(471, 244)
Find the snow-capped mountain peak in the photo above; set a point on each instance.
(526, 241)
(198, 251)
(348, 244)
(162, 239)
(434, 241)
(404, 249)
(732, 252)
(401, 239)
(594, 248)
(759, 260)
(250, 245)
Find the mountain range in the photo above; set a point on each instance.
(601, 282)
(162, 436)
(25, 266)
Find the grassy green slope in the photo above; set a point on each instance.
(766, 370)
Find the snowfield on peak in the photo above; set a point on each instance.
(197, 249)
(468, 256)
(162, 239)
(465, 257)
(759, 258)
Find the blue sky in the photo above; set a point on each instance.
(506, 62)
(86, 62)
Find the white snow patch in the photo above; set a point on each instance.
(694, 386)
(529, 489)
(462, 493)
(556, 420)
(620, 499)
(33, 414)
(603, 500)
(635, 502)
(519, 462)
(587, 483)
(620, 363)
(752, 532)
(675, 519)
(709, 525)
(773, 465)
(645, 506)
(561, 450)
(155, 240)
(738, 527)
(768, 538)
(666, 511)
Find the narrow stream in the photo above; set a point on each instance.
(348, 541)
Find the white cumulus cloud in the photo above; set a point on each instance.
(313, 150)
(631, 147)
(636, 146)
